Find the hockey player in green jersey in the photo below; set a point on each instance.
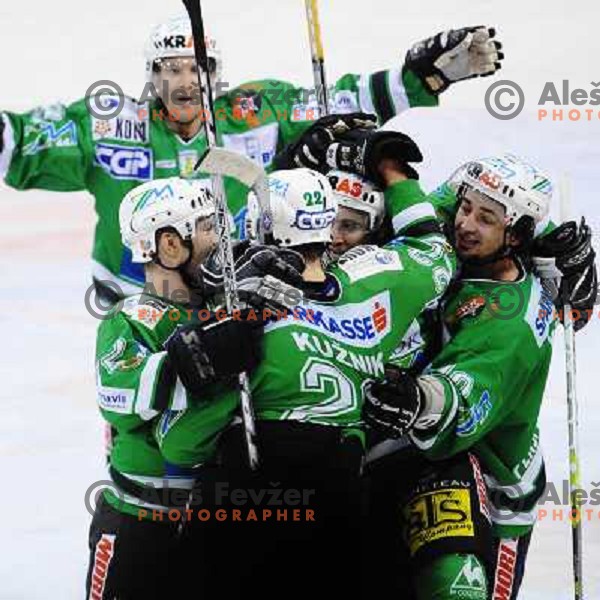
(564, 252)
(142, 381)
(67, 148)
(482, 393)
(561, 256)
(307, 391)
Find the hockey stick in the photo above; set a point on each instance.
(318, 59)
(222, 162)
(573, 424)
(222, 214)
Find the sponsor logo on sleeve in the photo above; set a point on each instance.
(475, 416)
(49, 135)
(117, 400)
(345, 101)
(540, 313)
(122, 162)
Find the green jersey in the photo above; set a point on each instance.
(490, 377)
(138, 393)
(65, 148)
(492, 342)
(319, 356)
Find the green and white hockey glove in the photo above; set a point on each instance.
(454, 55)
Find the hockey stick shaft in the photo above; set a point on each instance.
(318, 58)
(194, 10)
(574, 468)
(573, 425)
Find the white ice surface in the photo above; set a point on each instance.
(50, 433)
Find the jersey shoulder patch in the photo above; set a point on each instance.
(364, 261)
(145, 310)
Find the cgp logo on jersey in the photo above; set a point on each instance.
(308, 220)
(123, 162)
(363, 324)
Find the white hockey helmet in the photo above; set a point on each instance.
(302, 206)
(356, 192)
(174, 39)
(521, 188)
(171, 202)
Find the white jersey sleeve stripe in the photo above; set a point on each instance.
(397, 91)
(8, 139)
(179, 397)
(364, 95)
(147, 385)
(413, 213)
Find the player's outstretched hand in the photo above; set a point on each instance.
(454, 55)
(309, 151)
(392, 406)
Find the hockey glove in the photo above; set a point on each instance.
(564, 259)
(309, 151)
(454, 55)
(362, 150)
(392, 406)
(267, 277)
(204, 353)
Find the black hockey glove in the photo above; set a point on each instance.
(362, 150)
(309, 151)
(392, 406)
(267, 277)
(454, 55)
(565, 259)
(204, 353)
